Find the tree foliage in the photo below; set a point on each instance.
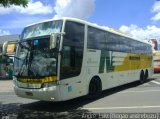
(7, 3)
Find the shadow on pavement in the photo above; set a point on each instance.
(56, 110)
(19, 111)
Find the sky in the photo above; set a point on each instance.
(137, 18)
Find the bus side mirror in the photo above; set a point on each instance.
(4, 48)
(53, 41)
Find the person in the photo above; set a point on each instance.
(8, 70)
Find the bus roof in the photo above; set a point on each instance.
(112, 30)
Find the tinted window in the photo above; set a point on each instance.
(96, 38)
(104, 40)
(112, 42)
(72, 55)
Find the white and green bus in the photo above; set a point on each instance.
(61, 59)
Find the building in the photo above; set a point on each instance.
(6, 64)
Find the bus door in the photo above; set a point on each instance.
(71, 61)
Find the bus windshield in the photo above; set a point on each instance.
(35, 57)
(41, 29)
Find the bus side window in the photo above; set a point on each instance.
(66, 58)
(72, 55)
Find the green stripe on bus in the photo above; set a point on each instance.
(106, 57)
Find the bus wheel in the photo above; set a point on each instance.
(95, 88)
(142, 77)
(146, 74)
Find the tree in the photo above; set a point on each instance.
(7, 3)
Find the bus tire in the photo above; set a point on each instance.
(95, 88)
(146, 74)
(142, 77)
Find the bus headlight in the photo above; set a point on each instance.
(48, 84)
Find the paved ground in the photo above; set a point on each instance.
(142, 100)
(6, 85)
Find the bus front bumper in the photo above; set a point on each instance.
(46, 94)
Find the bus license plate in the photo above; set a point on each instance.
(29, 93)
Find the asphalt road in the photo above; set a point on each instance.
(133, 100)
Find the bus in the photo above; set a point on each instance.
(6, 63)
(65, 58)
(156, 55)
(10, 47)
(156, 61)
